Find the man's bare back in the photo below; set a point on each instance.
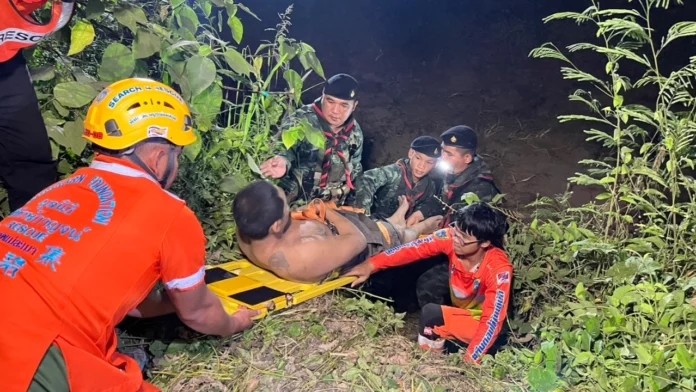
(308, 250)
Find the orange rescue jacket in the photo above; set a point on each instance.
(486, 289)
(18, 30)
(77, 258)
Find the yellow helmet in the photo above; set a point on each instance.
(132, 110)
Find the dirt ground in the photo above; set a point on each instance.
(426, 65)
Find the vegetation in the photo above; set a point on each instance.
(604, 291)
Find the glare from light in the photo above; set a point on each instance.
(444, 166)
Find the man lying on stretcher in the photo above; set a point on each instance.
(311, 244)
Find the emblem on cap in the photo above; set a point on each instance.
(436, 151)
(352, 93)
(453, 139)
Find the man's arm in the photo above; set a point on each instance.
(367, 186)
(202, 311)
(182, 269)
(437, 243)
(157, 303)
(495, 305)
(356, 157)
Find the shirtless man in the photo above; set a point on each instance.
(309, 250)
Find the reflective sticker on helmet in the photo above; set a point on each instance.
(101, 95)
(92, 134)
(167, 91)
(123, 94)
(157, 131)
(147, 116)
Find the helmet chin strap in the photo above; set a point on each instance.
(168, 171)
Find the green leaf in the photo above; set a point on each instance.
(94, 9)
(580, 291)
(309, 60)
(81, 36)
(237, 62)
(643, 354)
(206, 106)
(74, 94)
(680, 30)
(542, 380)
(294, 81)
(287, 50)
(186, 17)
(43, 73)
(684, 358)
(583, 358)
(73, 137)
(192, 150)
(618, 100)
(200, 73)
(117, 63)
(534, 273)
(146, 44)
(233, 183)
(315, 137)
(61, 109)
(177, 3)
(291, 136)
(248, 11)
(130, 17)
(236, 27)
(252, 165)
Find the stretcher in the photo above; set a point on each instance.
(242, 284)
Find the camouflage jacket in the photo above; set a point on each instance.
(477, 178)
(378, 191)
(303, 181)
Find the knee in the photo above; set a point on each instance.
(431, 316)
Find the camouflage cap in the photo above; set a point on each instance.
(427, 145)
(460, 136)
(342, 86)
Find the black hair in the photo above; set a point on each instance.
(255, 208)
(483, 222)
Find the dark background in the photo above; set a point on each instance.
(426, 65)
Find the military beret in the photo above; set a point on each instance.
(427, 145)
(342, 86)
(460, 136)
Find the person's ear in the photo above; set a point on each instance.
(411, 153)
(277, 226)
(355, 106)
(485, 244)
(468, 158)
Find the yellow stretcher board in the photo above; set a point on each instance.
(240, 283)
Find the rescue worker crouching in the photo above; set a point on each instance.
(480, 276)
(88, 250)
(307, 172)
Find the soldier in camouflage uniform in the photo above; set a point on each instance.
(466, 172)
(377, 191)
(308, 172)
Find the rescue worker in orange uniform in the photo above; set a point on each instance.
(26, 163)
(480, 280)
(90, 249)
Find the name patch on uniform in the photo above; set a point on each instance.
(503, 277)
(412, 244)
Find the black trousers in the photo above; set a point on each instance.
(413, 285)
(26, 164)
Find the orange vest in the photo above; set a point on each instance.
(19, 31)
(77, 258)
